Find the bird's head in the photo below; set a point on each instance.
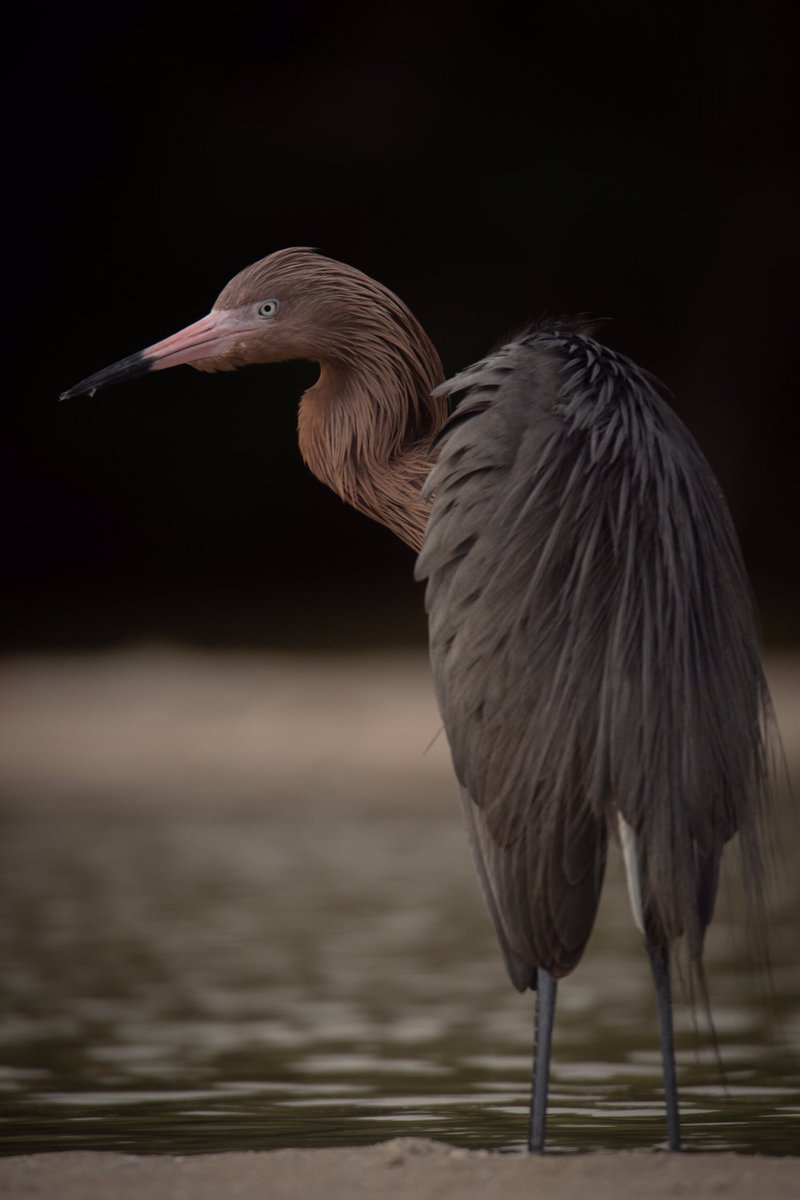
(293, 304)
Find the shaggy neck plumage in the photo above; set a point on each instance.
(366, 428)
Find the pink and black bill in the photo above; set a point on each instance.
(207, 338)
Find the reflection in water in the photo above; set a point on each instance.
(206, 981)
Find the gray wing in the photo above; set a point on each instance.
(593, 645)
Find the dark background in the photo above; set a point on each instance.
(629, 160)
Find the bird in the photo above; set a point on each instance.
(592, 630)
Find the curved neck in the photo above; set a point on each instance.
(365, 429)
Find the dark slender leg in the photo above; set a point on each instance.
(545, 1012)
(659, 962)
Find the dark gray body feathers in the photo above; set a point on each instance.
(593, 644)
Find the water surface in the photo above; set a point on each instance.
(207, 983)
(237, 910)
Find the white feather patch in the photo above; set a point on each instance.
(627, 839)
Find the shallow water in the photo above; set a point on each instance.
(210, 981)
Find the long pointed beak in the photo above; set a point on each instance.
(206, 338)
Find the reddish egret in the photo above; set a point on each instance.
(591, 629)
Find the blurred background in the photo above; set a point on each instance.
(236, 903)
(631, 161)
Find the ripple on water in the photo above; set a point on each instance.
(218, 978)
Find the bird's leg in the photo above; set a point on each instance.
(543, 1036)
(659, 962)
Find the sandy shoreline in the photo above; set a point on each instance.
(403, 1168)
(186, 729)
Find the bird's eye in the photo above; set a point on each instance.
(268, 308)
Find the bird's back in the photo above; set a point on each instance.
(593, 644)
